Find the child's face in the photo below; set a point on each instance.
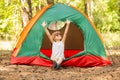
(58, 37)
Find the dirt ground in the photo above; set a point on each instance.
(25, 72)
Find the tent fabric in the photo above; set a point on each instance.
(82, 61)
(92, 54)
(67, 53)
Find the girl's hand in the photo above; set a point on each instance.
(68, 21)
(44, 24)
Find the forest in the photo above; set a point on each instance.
(15, 14)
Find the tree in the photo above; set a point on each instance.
(89, 8)
(26, 11)
(50, 1)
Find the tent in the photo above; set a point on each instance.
(83, 46)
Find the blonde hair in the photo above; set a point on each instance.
(54, 34)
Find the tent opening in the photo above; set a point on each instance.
(74, 41)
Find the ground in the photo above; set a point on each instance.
(25, 72)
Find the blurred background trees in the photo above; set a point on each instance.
(15, 14)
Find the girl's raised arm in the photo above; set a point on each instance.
(66, 31)
(47, 32)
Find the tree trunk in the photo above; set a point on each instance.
(50, 1)
(89, 8)
(26, 11)
(85, 7)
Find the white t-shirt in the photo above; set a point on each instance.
(57, 50)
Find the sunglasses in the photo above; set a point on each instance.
(57, 34)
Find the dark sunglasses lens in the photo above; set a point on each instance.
(58, 34)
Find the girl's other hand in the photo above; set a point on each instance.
(68, 21)
(44, 24)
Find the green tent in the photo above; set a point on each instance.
(83, 46)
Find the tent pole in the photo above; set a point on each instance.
(109, 53)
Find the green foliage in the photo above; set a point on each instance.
(10, 21)
(106, 17)
(112, 40)
(36, 6)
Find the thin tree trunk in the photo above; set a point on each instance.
(85, 7)
(50, 1)
(26, 11)
(89, 8)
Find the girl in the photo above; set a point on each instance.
(57, 44)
